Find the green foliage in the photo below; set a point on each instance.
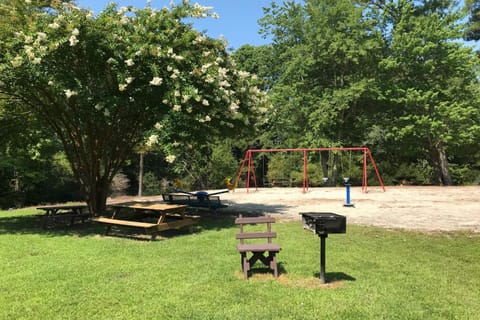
(466, 174)
(207, 166)
(32, 167)
(473, 27)
(151, 184)
(325, 55)
(279, 167)
(107, 83)
(432, 82)
(415, 173)
(393, 75)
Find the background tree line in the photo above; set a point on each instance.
(392, 75)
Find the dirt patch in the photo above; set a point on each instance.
(406, 207)
(285, 280)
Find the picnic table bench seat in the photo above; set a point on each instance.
(169, 217)
(70, 216)
(127, 223)
(264, 252)
(59, 214)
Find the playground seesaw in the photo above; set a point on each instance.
(198, 199)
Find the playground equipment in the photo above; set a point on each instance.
(248, 161)
(201, 195)
(229, 184)
(347, 196)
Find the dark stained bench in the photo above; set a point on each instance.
(209, 202)
(64, 212)
(258, 250)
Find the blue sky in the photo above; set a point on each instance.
(237, 22)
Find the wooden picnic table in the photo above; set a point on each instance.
(167, 216)
(53, 213)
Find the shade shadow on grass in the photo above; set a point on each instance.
(209, 220)
(259, 269)
(254, 209)
(34, 224)
(335, 276)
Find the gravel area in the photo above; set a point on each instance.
(407, 207)
(422, 208)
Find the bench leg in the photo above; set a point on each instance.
(273, 264)
(269, 261)
(245, 265)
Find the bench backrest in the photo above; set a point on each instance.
(241, 221)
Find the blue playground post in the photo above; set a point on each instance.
(347, 202)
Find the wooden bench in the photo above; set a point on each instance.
(258, 250)
(150, 228)
(168, 216)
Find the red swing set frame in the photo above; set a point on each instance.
(248, 160)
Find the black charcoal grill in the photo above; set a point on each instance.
(323, 223)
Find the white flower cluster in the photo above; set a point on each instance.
(199, 39)
(152, 140)
(34, 48)
(69, 93)
(243, 74)
(206, 119)
(175, 73)
(170, 158)
(171, 54)
(54, 25)
(122, 10)
(156, 81)
(73, 38)
(124, 20)
(203, 12)
(17, 61)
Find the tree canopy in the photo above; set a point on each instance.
(107, 83)
(390, 73)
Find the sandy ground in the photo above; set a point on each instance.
(406, 207)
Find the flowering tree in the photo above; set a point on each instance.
(107, 83)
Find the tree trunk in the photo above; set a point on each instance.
(140, 176)
(439, 161)
(97, 196)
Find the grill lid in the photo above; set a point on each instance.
(324, 222)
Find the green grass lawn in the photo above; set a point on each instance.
(76, 273)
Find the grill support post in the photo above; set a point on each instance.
(323, 238)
